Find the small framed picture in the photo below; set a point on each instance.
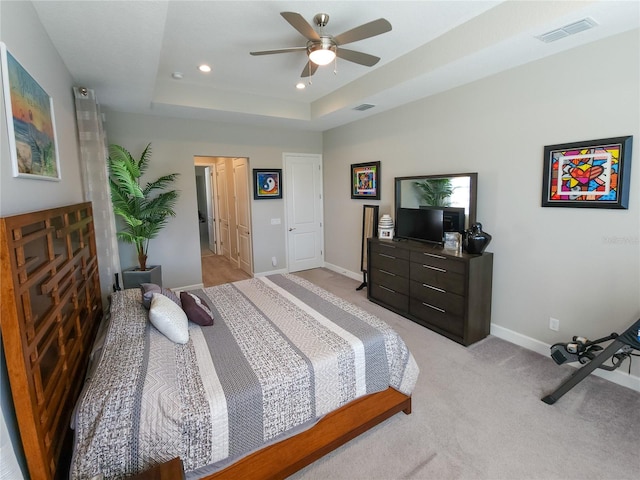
(267, 183)
(365, 180)
(453, 241)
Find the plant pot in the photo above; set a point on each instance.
(134, 277)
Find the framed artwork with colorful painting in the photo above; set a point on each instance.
(30, 123)
(592, 174)
(365, 180)
(267, 183)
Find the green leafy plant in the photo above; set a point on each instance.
(436, 191)
(144, 210)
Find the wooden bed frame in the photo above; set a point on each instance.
(50, 313)
(51, 309)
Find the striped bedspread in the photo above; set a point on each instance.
(281, 354)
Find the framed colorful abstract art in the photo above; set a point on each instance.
(267, 183)
(592, 174)
(365, 180)
(30, 123)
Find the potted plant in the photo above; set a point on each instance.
(143, 210)
(436, 191)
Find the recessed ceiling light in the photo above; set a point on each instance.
(300, 86)
(204, 68)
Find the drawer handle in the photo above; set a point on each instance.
(387, 246)
(387, 256)
(388, 273)
(387, 289)
(434, 288)
(435, 268)
(434, 308)
(434, 255)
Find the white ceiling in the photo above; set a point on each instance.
(127, 50)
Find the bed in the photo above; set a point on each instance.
(323, 372)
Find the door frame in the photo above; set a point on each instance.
(211, 209)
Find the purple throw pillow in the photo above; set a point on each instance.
(196, 309)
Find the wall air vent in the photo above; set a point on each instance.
(572, 28)
(363, 107)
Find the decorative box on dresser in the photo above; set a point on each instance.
(445, 291)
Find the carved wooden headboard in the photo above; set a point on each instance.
(50, 312)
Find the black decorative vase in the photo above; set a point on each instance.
(476, 240)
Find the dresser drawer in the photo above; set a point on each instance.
(389, 280)
(446, 280)
(433, 316)
(449, 302)
(391, 297)
(439, 261)
(389, 263)
(390, 248)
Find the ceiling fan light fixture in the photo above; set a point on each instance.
(322, 53)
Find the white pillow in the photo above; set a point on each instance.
(169, 318)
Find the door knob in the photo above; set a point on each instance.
(291, 229)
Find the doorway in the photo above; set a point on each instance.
(225, 231)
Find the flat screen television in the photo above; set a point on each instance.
(453, 217)
(423, 225)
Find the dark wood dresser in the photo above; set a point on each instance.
(445, 291)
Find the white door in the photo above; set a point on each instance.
(243, 213)
(223, 211)
(303, 204)
(208, 175)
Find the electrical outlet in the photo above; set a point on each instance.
(554, 324)
(274, 261)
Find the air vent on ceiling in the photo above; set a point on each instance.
(572, 28)
(363, 107)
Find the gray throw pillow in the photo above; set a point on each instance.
(148, 289)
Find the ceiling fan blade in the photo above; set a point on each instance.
(280, 50)
(357, 57)
(367, 30)
(309, 69)
(298, 22)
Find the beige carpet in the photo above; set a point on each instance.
(477, 414)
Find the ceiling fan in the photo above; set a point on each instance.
(322, 49)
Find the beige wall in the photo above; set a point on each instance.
(175, 142)
(29, 44)
(581, 266)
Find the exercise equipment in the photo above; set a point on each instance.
(592, 356)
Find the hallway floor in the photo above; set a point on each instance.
(217, 270)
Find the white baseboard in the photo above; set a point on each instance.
(616, 376)
(343, 271)
(187, 287)
(271, 272)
